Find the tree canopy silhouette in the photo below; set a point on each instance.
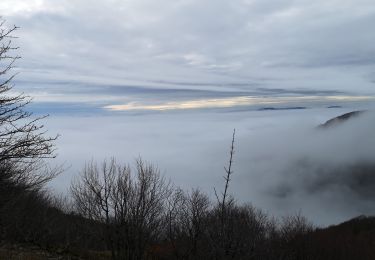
(23, 140)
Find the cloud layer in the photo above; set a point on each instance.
(282, 162)
(227, 45)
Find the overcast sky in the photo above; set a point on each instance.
(237, 46)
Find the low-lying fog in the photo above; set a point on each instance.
(283, 163)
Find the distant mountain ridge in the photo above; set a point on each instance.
(342, 118)
(280, 108)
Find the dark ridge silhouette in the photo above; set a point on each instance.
(353, 239)
(280, 108)
(341, 119)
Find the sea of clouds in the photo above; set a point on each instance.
(283, 162)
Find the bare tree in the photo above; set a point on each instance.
(23, 140)
(223, 201)
(224, 204)
(293, 226)
(130, 206)
(23, 144)
(198, 207)
(228, 172)
(186, 223)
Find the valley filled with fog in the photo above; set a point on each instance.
(283, 162)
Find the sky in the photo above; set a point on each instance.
(105, 51)
(170, 79)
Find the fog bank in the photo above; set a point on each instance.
(283, 163)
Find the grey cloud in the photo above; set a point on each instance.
(313, 177)
(301, 91)
(163, 90)
(297, 43)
